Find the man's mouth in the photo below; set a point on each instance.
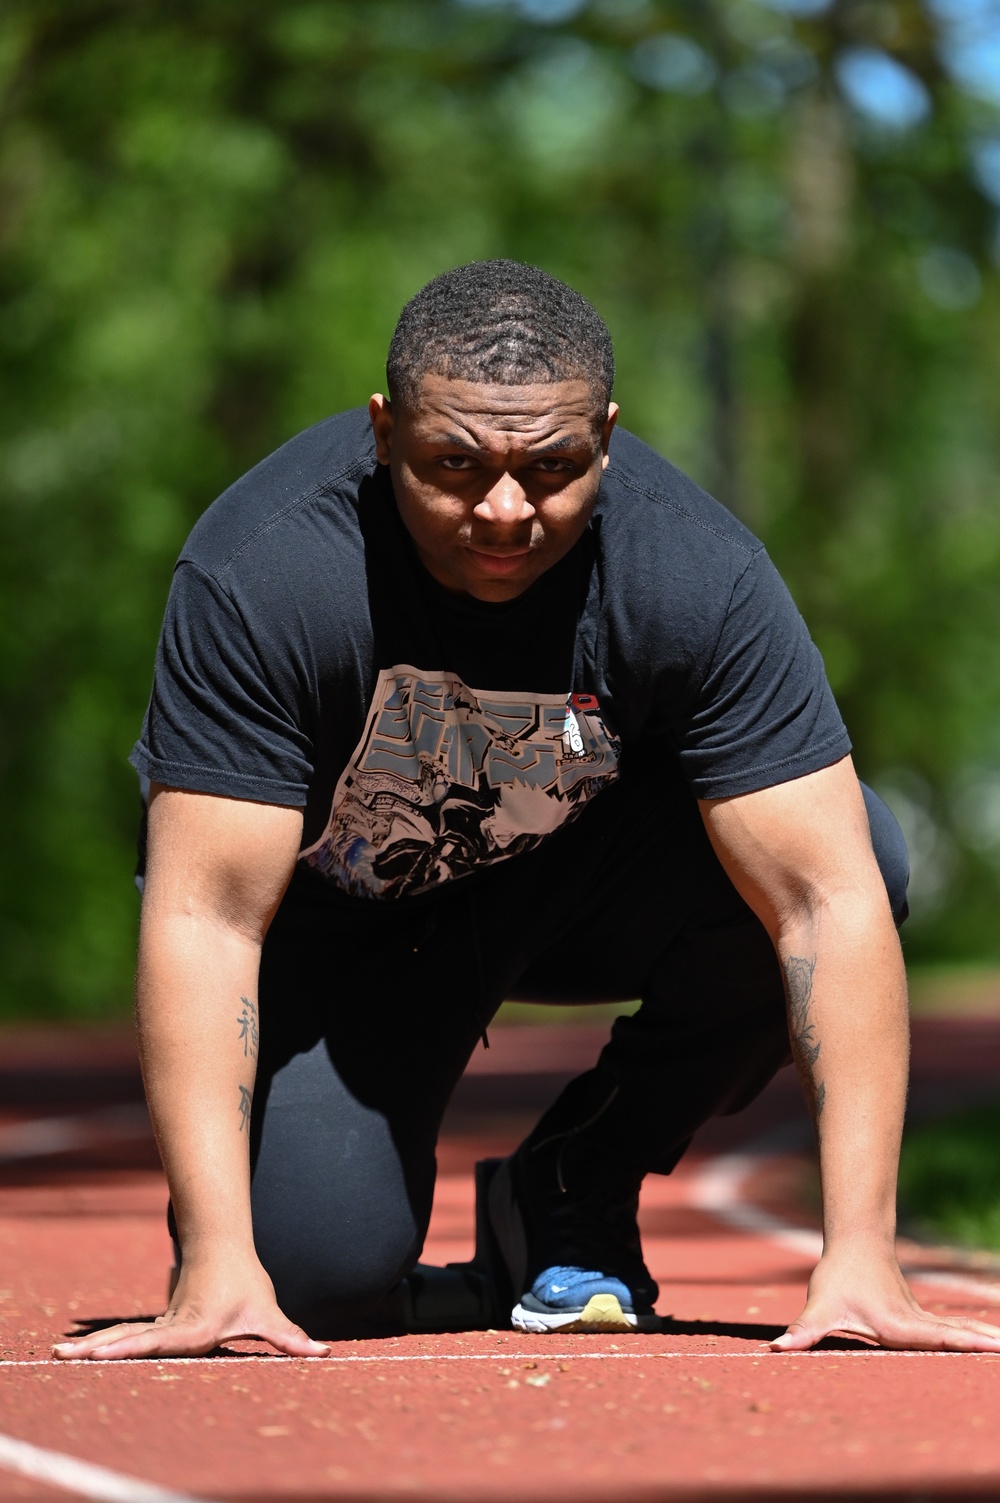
(507, 561)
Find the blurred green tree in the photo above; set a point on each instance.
(211, 213)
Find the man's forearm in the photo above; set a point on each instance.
(800, 854)
(196, 1003)
(847, 1013)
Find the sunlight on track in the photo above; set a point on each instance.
(733, 1415)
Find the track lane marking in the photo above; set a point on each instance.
(719, 1189)
(82, 1477)
(534, 1354)
(51, 1135)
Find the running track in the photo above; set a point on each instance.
(701, 1410)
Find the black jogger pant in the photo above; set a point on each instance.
(369, 1013)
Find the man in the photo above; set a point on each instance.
(464, 700)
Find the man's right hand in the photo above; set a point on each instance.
(216, 871)
(207, 1309)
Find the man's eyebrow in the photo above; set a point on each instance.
(558, 444)
(455, 441)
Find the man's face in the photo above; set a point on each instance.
(494, 483)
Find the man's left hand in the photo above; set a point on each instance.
(865, 1295)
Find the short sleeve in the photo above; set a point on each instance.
(764, 713)
(226, 714)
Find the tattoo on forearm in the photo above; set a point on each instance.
(248, 1029)
(246, 1101)
(805, 1041)
(799, 985)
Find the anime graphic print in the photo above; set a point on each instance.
(448, 778)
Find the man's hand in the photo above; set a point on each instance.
(800, 854)
(216, 872)
(865, 1295)
(206, 1310)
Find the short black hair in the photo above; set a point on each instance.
(503, 323)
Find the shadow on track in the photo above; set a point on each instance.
(668, 1326)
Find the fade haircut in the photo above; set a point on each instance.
(502, 323)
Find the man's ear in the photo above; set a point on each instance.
(382, 420)
(609, 423)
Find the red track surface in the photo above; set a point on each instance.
(702, 1410)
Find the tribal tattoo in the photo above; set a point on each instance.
(248, 1029)
(246, 1101)
(805, 1043)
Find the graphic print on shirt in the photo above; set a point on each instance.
(447, 779)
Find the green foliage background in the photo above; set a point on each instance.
(211, 212)
(949, 1178)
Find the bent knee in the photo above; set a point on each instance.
(340, 1290)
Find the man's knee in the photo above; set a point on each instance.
(891, 854)
(346, 1290)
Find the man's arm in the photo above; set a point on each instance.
(800, 854)
(216, 873)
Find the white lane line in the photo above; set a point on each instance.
(536, 1354)
(81, 1477)
(49, 1135)
(960, 1282)
(720, 1189)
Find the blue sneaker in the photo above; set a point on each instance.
(579, 1299)
(592, 1275)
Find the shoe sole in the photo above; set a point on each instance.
(601, 1313)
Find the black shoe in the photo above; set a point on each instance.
(474, 1296)
(571, 1252)
(457, 1297)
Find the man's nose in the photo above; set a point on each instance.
(505, 503)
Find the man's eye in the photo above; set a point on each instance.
(456, 462)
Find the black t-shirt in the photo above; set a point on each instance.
(308, 659)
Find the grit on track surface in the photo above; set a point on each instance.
(699, 1410)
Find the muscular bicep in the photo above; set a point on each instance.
(790, 849)
(226, 859)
